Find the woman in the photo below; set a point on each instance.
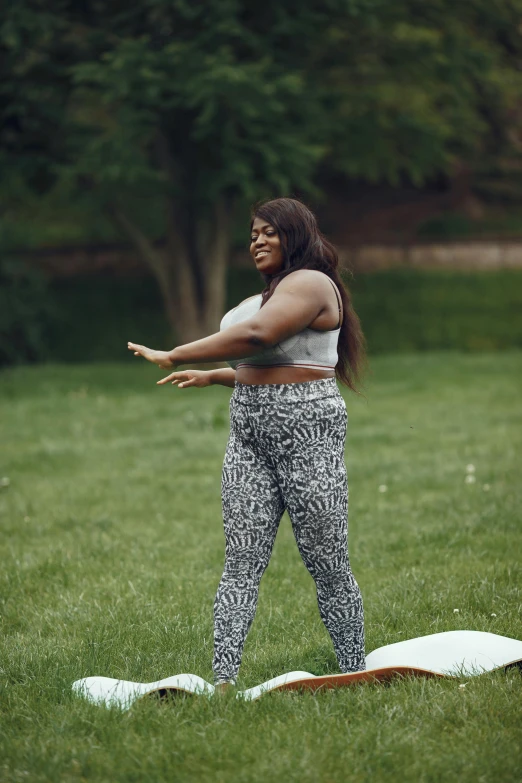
(285, 348)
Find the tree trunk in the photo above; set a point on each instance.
(191, 270)
(461, 196)
(198, 248)
(214, 252)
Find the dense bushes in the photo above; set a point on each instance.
(400, 311)
(415, 311)
(26, 313)
(99, 314)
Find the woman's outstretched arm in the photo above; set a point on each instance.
(294, 304)
(236, 342)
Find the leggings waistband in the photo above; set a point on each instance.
(285, 392)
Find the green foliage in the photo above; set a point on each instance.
(37, 53)
(97, 317)
(59, 218)
(26, 314)
(456, 225)
(406, 310)
(430, 83)
(112, 548)
(245, 101)
(184, 107)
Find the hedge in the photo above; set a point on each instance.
(400, 310)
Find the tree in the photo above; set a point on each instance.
(186, 102)
(199, 107)
(436, 89)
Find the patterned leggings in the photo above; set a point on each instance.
(286, 451)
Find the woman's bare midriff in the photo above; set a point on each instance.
(253, 375)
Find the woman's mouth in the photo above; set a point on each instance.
(261, 254)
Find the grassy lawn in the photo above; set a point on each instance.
(112, 549)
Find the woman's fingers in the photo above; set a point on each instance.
(139, 350)
(183, 379)
(171, 377)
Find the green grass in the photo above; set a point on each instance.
(112, 549)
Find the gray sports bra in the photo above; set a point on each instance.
(309, 348)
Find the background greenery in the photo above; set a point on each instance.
(166, 118)
(112, 549)
(91, 319)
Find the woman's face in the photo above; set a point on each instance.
(265, 247)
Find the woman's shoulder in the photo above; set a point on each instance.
(309, 277)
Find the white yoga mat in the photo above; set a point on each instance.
(451, 654)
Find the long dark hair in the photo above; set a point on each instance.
(304, 247)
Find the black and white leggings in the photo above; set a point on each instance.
(286, 451)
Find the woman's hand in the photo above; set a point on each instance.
(199, 378)
(161, 358)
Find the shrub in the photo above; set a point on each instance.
(26, 312)
(400, 310)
